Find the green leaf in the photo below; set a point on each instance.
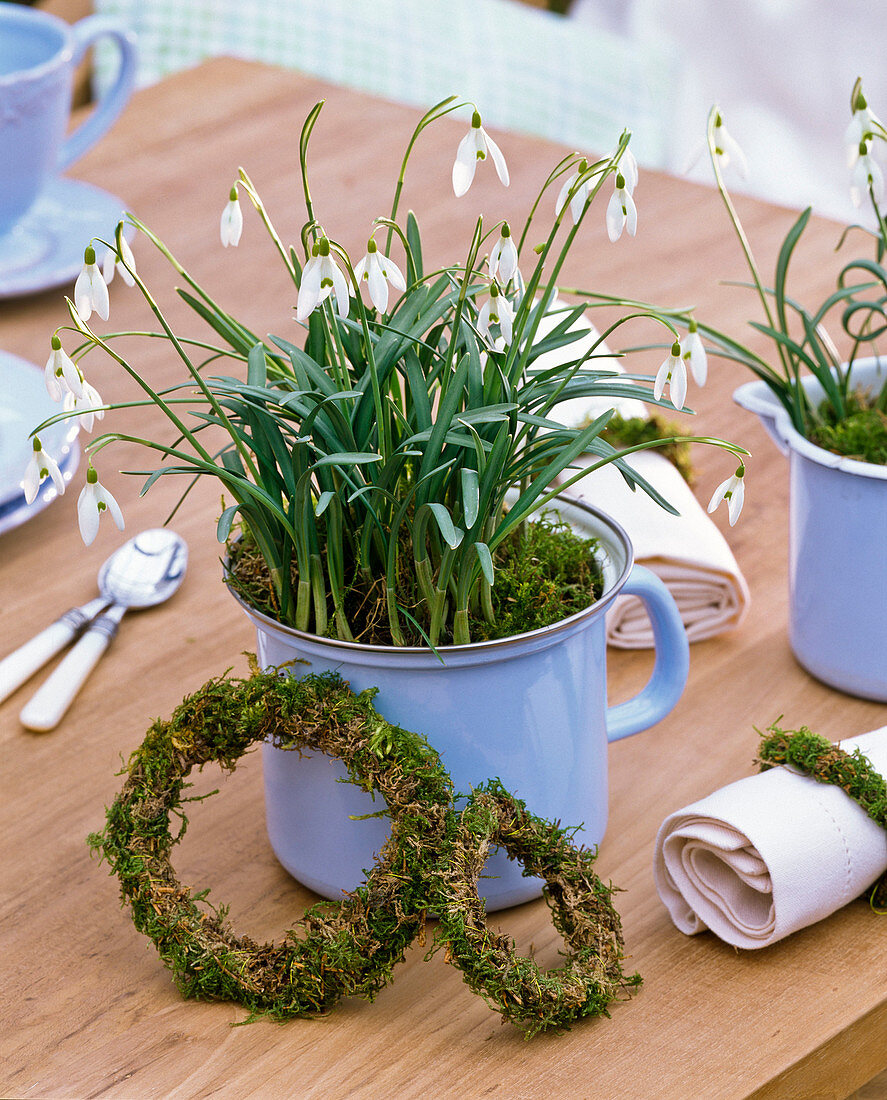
(486, 560)
(323, 502)
(256, 373)
(470, 495)
(223, 528)
(415, 242)
(348, 458)
(451, 534)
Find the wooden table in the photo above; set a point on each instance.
(88, 1008)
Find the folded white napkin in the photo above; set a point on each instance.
(687, 552)
(770, 854)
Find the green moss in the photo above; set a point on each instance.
(861, 434)
(628, 432)
(829, 763)
(431, 862)
(544, 572)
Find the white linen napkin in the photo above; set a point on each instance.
(769, 854)
(687, 552)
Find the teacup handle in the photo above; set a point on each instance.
(669, 677)
(112, 103)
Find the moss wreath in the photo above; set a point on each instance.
(431, 861)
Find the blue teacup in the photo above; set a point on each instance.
(38, 56)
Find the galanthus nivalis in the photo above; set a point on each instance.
(40, 467)
(496, 310)
(125, 263)
(88, 405)
(60, 373)
(503, 258)
(377, 271)
(93, 500)
(321, 278)
(621, 211)
(726, 148)
(867, 177)
(672, 373)
(733, 491)
(474, 147)
(90, 290)
(579, 197)
(231, 225)
(693, 352)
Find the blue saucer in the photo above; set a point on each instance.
(45, 249)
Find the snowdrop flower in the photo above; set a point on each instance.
(378, 271)
(231, 225)
(621, 211)
(472, 148)
(93, 500)
(580, 198)
(733, 491)
(628, 166)
(496, 310)
(38, 469)
(503, 258)
(726, 148)
(112, 263)
(861, 127)
(88, 405)
(693, 352)
(90, 290)
(61, 374)
(867, 176)
(673, 374)
(320, 278)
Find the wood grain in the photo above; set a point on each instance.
(88, 1009)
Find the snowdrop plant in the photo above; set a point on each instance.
(801, 344)
(382, 439)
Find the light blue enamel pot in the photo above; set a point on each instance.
(837, 547)
(530, 710)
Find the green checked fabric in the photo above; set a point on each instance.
(527, 69)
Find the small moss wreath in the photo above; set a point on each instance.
(580, 905)
(431, 861)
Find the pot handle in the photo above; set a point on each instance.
(669, 677)
(85, 33)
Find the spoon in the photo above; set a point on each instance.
(145, 571)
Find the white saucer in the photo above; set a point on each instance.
(24, 403)
(46, 248)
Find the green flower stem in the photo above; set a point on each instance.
(304, 138)
(439, 110)
(256, 200)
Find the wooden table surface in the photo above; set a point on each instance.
(88, 1009)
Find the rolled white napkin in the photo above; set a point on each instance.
(686, 551)
(770, 854)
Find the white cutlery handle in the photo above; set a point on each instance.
(24, 662)
(45, 710)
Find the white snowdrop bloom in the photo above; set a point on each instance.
(503, 258)
(231, 225)
(60, 373)
(693, 352)
(90, 290)
(726, 148)
(93, 500)
(496, 310)
(672, 373)
(580, 197)
(321, 277)
(40, 467)
(88, 405)
(377, 271)
(125, 263)
(475, 146)
(733, 491)
(621, 211)
(867, 176)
